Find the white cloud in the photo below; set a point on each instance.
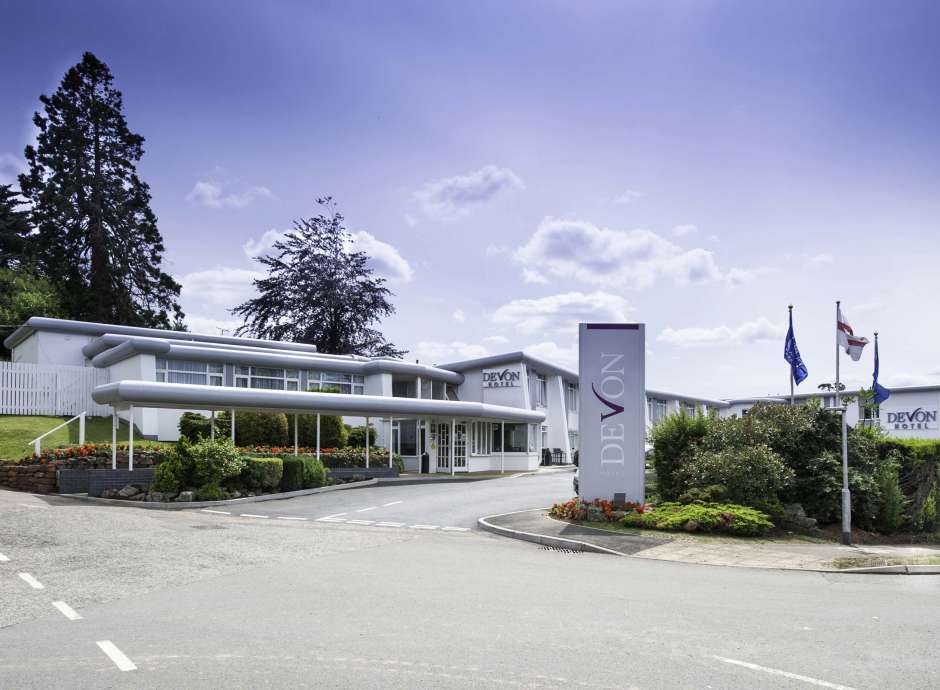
(459, 316)
(217, 193)
(714, 238)
(534, 277)
(616, 258)
(10, 167)
(758, 330)
(452, 197)
(555, 353)
(496, 339)
(629, 196)
(384, 259)
(217, 287)
(906, 379)
(436, 351)
(683, 230)
(562, 313)
(819, 261)
(497, 249)
(210, 326)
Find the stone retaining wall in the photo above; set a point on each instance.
(37, 479)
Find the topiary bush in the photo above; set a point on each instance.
(168, 476)
(262, 474)
(194, 426)
(314, 472)
(332, 431)
(292, 477)
(674, 440)
(891, 510)
(211, 461)
(356, 437)
(696, 517)
(261, 429)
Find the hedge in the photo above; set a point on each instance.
(262, 474)
(697, 517)
(292, 478)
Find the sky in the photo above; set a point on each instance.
(515, 168)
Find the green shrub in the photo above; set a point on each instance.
(695, 517)
(314, 472)
(891, 510)
(210, 492)
(332, 431)
(262, 474)
(211, 461)
(752, 476)
(261, 429)
(194, 426)
(356, 437)
(713, 493)
(168, 476)
(673, 440)
(356, 457)
(292, 477)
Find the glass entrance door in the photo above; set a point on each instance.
(460, 448)
(443, 448)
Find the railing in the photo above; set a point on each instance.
(37, 446)
(50, 389)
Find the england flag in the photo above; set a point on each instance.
(846, 337)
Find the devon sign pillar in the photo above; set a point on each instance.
(612, 411)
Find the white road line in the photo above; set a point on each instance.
(424, 527)
(785, 674)
(31, 581)
(393, 503)
(284, 517)
(116, 655)
(360, 522)
(30, 505)
(3, 559)
(389, 524)
(217, 512)
(455, 529)
(363, 510)
(263, 517)
(67, 610)
(330, 517)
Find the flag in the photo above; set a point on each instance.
(791, 353)
(846, 337)
(879, 392)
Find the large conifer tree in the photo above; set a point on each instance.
(14, 229)
(97, 238)
(320, 291)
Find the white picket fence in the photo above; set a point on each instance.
(50, 389)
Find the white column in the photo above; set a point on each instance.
(233, 426)
(130, 436)
(367, 443)
(418, 387)
(418, 439)
(318, 435)
(391, 423)
(453, 442)
(212, 425)
(81, 429)
(295, 434)
(114, 428)
(502, 447)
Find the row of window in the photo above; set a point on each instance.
(487, 438)
(267, 378)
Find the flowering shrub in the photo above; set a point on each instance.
(597, 511)
(101, 451)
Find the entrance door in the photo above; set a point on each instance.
(396, 438)
(443, 448)
(460, 449)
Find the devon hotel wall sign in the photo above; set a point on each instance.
(501, 378)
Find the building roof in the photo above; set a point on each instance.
(823, 394)
(511, 358)
(189, 396)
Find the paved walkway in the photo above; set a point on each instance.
(713, 551)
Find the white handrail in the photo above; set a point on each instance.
(37, 446)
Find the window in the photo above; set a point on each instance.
(351, 384)
(401, 389)
(868, 411)
(571, 395)
(533, 437)
(573, 440)
(480, 438)
(689, 408)
(267, 378)
(199, 373)
(516, 437)
(541, 391)
(656, 410)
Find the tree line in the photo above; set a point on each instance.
(79, 239)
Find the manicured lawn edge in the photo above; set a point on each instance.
(186, 505)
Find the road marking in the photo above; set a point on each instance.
(393, 503)
(116, 655)
(31, 581)
(329, 517)
(336, 520)
(67, 610)
(3, 559)
(785, 674)
(362, 510)
(455, 529)
(360, 522)
(424, 527)
(389, 524)
(284, 517)
(30, 505)
(217, 512)
(263, 517)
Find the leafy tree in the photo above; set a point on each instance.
(14, 229)
(24, 294)
(97, 236)
(319, 291)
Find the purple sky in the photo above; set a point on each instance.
(517, 167)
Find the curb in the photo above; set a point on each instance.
(152, 505)
(574, 544)
(543, 539)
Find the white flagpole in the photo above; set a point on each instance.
(846, 495)
(790, 307)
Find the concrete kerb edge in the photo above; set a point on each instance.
(153, 505)
(560, 542)
(543, 539)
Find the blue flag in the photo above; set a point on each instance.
(791, 353)
(879, 392)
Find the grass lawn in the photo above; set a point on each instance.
(16, 431)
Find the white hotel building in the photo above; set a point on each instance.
(500, 411)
